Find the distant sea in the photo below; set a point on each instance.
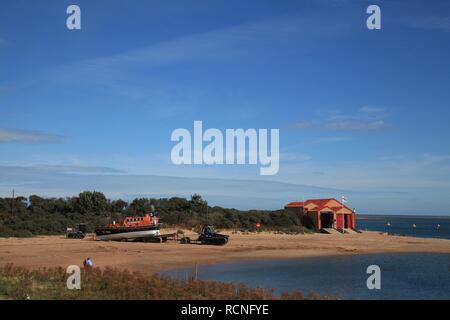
(402, 225)
(403, 276)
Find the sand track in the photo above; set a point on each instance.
(50, 251)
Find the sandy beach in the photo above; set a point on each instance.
(48, 251)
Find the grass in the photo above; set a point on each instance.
(19, 283)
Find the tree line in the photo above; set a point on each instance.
(35, 215)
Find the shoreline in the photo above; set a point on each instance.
(264, 258)
(148, 258)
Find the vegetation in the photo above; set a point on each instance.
(50, 284)
(23, 217)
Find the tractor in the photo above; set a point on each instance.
(76, 233)
(208, 235)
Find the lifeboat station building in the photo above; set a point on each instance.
(323, 214)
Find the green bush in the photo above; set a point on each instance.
(51, 216)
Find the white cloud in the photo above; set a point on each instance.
(410, 164)
(294, 157)
(18, 135)
(76, 169)
(331, 139)
(433, 158)
(227, 43)
(371, 109)
(343, 125)
(367, 118)
(355, 125)
(248, 194)
(252, 41)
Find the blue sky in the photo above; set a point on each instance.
(361, 113)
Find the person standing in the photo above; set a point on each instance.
(88, 264)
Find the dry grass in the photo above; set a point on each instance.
(50, 284)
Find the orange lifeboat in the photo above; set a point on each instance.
(130, 228)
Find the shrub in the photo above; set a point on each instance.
(109, 283)
(52, 216)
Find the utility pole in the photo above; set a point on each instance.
(196, 272)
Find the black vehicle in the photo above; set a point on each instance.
(78, 233)
(208, 236)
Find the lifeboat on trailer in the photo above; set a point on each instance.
(131, 228)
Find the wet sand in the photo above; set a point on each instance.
(49, 251)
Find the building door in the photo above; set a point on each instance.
(326, 219)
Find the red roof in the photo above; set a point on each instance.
(319, 203)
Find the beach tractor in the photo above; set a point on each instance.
(209, 236)
(76, 233)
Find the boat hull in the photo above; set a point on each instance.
(126, 233)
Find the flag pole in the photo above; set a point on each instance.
(343, 200)
(303, 211)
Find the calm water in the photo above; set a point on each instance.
(425, 226)
(403, 276)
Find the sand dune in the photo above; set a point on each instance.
(47, 251)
